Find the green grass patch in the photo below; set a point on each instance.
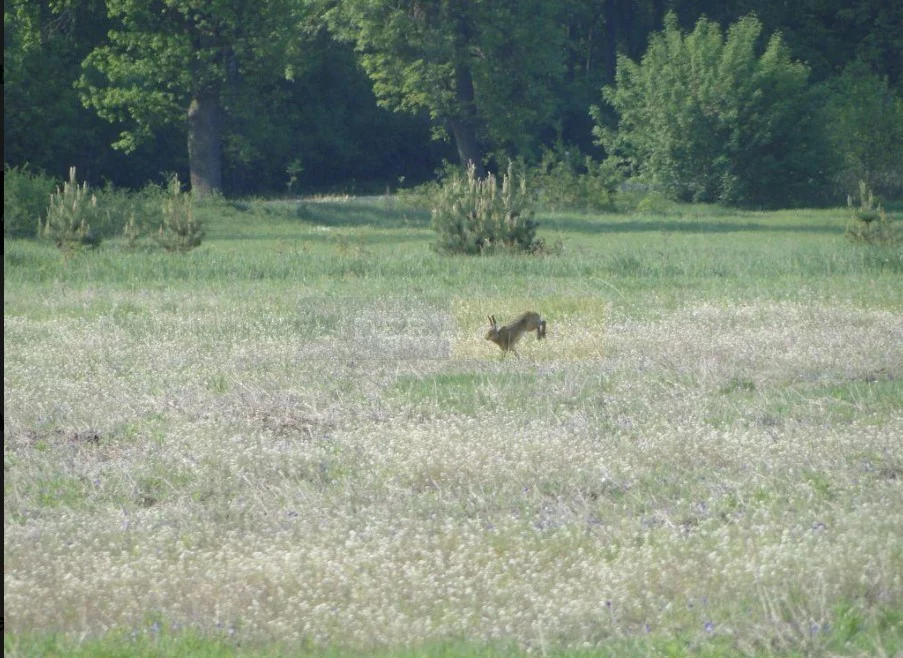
(468, 393)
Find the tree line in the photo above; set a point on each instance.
(269, 96)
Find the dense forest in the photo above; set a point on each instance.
(297, 96)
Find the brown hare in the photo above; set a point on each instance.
(506, 337)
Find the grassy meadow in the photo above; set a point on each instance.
(295, 440)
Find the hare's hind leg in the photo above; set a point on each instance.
(508, 348)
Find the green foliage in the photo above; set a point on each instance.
(69, 216)
(652, 202)
(535, 66)
(105, 212)
(25, 195)
(159, 64)
(115, 208)
(427, 55)
(180, 230)
(131, 216)
(44, 123)
(131, 233)
(864, 121)
(326, 116)
(567, 179)
(869, 221)
(322, 131)
(475, 216)
(705, 118)
(421, 197)
(153, 62)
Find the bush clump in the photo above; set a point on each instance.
(475, 215)
(25, 195)
(566, 179)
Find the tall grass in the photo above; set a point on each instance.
(294, 440)
(331, 245)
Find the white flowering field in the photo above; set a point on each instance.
(295, 440)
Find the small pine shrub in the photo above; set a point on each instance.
(869, 222)
(68, 218)
(478, 215)
(180, 231)
(25, 196)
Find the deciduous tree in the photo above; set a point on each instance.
(170, 60)
(706, 117)
(485, 70)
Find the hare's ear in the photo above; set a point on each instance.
(491, 321)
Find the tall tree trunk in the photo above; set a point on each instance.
(468, 148)
(205, 144)
(463, 126)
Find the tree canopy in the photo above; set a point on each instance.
(166, 59)
(261, 97)
(484, 70)
(705, 117)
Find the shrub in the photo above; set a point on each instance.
(180, 231)
(704, 118)
(69, 215)
(25, 195)
(422, 196)
(869, 222)
(474, 215)
(116, 208)
(567, 179)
